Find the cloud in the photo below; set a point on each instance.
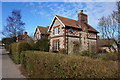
(97, 10)
(94, 10)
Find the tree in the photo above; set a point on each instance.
(7, 40)
(118, 6)
(14, 25)
(109, 26)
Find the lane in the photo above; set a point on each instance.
(0, 62)
(9, 69)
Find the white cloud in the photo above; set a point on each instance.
(97, 10)
(94, 10)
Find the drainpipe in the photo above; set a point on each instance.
(119, 27)
(67, 43)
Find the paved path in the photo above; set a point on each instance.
(9, 69)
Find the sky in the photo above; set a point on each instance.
(42, 13)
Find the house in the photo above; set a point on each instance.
(23, 37)
(64, 31)
(40, 32)
(107, 45)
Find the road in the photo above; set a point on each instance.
(9, 69)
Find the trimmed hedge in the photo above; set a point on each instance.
(48, 65)
(16, 49)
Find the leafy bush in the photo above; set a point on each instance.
(48, 65)
(42, 45)
(63, 51)
(7, 42)
(85, 53)
(16, 49)
(7, 47)
(76, 47)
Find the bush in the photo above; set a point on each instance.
(41, 45)
(76, 47)
(48, 65)
(7, 47)
(63, 51)
(7, 42)
(85, 53)
(16, 49)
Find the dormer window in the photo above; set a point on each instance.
(79, 25)
(56, 31)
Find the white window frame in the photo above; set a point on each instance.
(56, 31)
(56, 45)
(37, 36)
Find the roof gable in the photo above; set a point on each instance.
(71, 23)
(43, 30)
(54, 21)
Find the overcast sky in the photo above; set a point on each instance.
(42, 13)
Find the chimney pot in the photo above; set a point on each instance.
(81, 11)
(25, 33)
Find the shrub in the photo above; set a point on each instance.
(7, 47)
(63, 51)
(76, 47)
(41, 45)
(16, 49)
(7, 42)
(85, 53)
(48, 65)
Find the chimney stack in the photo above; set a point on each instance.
(97, 37)
(25, 33)
(81, 11)
(82, 16)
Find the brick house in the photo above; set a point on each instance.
(23, 37)
(63, 32)
(40, 32)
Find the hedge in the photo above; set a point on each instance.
(49, 65)
(16, 49)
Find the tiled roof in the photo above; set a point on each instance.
(43, 30)
(90, 28)
(105, 42)
(74, 23)
(23, 37)
(68, 22)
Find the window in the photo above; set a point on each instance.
(56, 45)
(56, 31)
(37, 36)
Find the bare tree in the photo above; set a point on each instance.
(14, 25)
(108, 26)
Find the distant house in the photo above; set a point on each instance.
(64, 31)
(107, 45)
(23, 37)
(40, 33)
